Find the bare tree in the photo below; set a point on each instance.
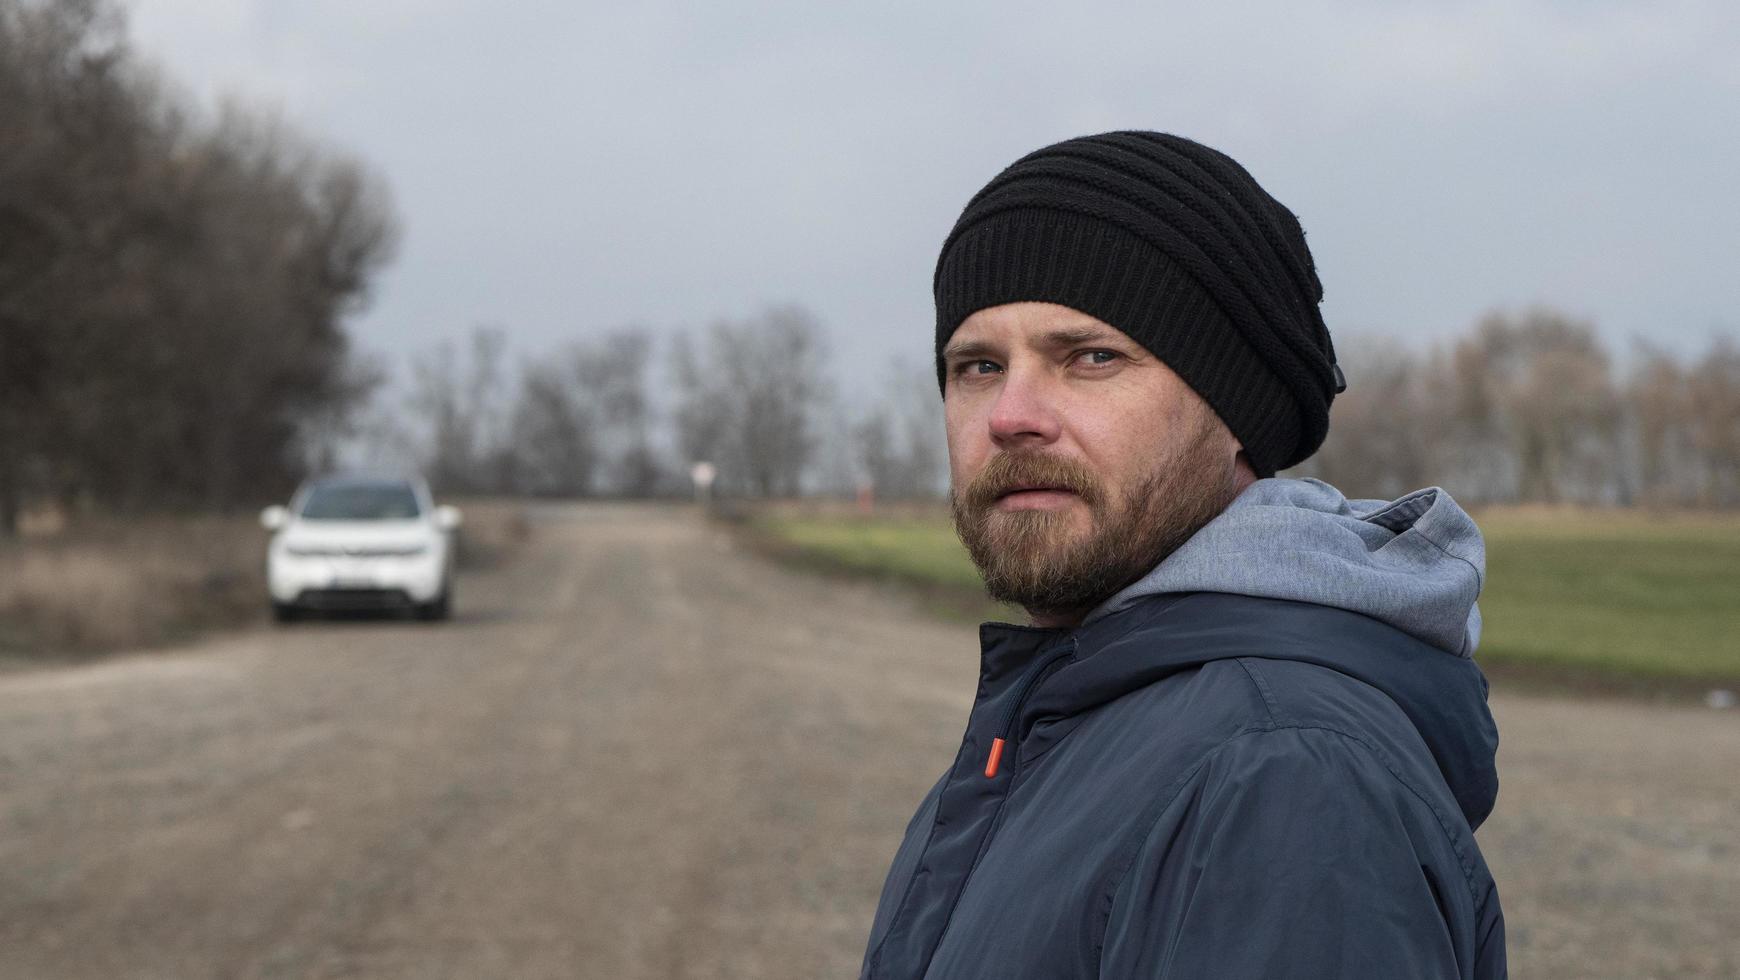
(613, 374)
(878, 464)
(1523, 409)
(462, 401)
(553, 436)
(899, 441)
(1715, 403)
(1474, 454)
(1381, 431)
(703, 413)
(324, 433)
(750, 397)
(1663, 464)
(192, 280)
(1547, 379)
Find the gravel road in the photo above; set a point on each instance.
(642, 753)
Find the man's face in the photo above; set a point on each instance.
(1078, 460)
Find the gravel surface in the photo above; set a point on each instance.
(640, 752)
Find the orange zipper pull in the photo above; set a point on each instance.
(996, 757)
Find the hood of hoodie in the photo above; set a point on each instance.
(1291, 570)
(1416, 562)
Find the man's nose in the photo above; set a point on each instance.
(1023, 413)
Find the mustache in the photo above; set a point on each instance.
(1008, 472)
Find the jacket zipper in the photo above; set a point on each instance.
(995, 760)
(992, 764)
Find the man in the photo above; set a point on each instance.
(1244, 736)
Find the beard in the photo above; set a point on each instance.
(1039, 560)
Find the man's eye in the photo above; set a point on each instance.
(976, 367)
(1100, 356)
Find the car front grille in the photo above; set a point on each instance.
(318, 551)
(353, 598)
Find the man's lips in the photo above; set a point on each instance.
(1033, 489)
(1022, 498)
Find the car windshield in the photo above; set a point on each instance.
(360, 502)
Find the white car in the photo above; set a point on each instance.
(361, 543)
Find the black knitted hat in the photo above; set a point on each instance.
(1174, 244)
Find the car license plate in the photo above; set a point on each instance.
(351, 575)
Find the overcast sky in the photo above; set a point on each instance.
(563, 168)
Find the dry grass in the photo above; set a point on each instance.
(493, 531)
(105, 584)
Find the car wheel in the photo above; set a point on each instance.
(441, 607)
(285, 612)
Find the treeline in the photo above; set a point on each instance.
(628, 413)
(1530, 408)
(173, 287)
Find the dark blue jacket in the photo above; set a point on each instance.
(1205, 786)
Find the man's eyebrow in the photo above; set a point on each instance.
(1051, 339)
(1071, 336)
(968, 349)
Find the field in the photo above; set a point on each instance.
(1576, 595)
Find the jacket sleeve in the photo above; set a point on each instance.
(1292, 853)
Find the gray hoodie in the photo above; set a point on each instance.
(1416, 562)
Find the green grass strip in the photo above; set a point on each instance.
(1625, 594)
